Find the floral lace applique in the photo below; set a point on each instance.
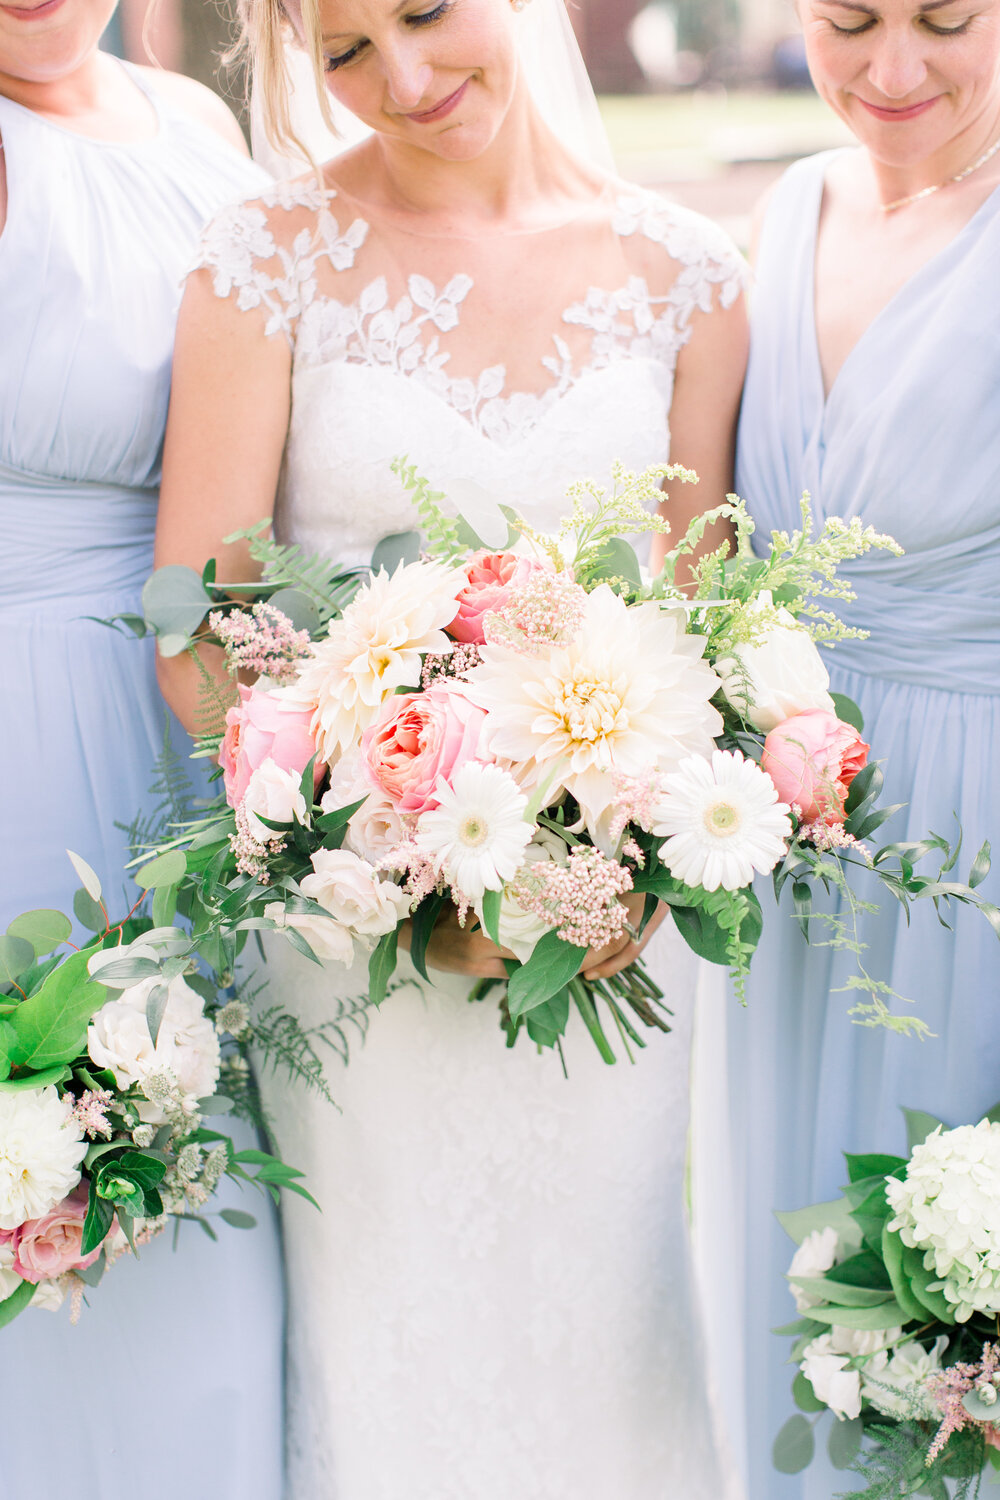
(625, 323)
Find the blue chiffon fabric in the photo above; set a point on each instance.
(171, 1383)
(909, 440)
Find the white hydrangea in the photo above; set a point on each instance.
(900, 1388)
(815, 1256)
(948, 1205)
(41, 1148)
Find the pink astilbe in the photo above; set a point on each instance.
(442, 668)
(829, 836)
(635, 802)
(262, 640)
(421, 878)
(251, 854)
(580, 897)
(948, 1388)
(542, 612)
(90, 1113)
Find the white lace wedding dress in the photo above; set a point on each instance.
(496, 1301)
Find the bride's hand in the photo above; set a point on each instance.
(460, 950)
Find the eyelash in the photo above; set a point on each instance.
(935, 30)
(425, 18)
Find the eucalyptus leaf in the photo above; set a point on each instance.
(156, 1005)
(216, 1104)
(164, 904)
(980, 867)
(399, 547)
(617, 559)
(844, 1442)
(174, 602)
(237, 1219)
(794, 1446)
(978, 1408)
(16, 955)
(168, 869)
(804, 1396)
(88, 878)
(44, 929)
(299, 608)
(122, 973)
(88, 912)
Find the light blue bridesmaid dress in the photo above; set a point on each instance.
(909, 440)
(171, 1383)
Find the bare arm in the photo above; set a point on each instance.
(703, 416)
(229, 409)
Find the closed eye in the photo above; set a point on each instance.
(418, 18)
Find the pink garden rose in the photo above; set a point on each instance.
(45, 1248)
(491, 577)
(812, 758)
(266, 724)
(419, 737)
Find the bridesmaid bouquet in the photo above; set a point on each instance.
(898, 1285)
(110, 1060)
(529, 734)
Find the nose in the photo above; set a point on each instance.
(408, 78)
(897, 67)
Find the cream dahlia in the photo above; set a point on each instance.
(723, 821)
(41, 1148)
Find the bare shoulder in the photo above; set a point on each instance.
(194, 99)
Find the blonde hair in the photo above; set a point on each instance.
(266, 31)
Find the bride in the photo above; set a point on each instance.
(495, 1303)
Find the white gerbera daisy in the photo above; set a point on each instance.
(477, 835)
(376, 647)
(722, 819)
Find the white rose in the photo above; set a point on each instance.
(907, 1372)
(349, 888)
(50, 1295)
(814, 1257)
(783, 674)
(327, 939)
(187, 1044)
(9, 1279)
(275, 794)
(862, 1343)
(520, 930)
(41, 1148)
(828, 1374)
(375, 829)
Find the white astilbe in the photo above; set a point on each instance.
(948, 1206)
(723, 821)
(376, 647)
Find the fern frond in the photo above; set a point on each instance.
(215, 699)
(329, 588)
(171, 796)
(440, 531)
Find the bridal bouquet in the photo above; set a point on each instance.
(110, 1060)
(898, 1285)
(532, 735)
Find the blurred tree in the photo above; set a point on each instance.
(602, 29)
(209, 29)
(705, 26)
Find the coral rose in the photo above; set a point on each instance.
(491, 578)
(45, 1248)
(419, 737)
(812, 758)
(266, 724)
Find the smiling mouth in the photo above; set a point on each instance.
(907, 112)
(27, 12)
(439, 110)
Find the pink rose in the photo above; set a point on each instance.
(491, 578)
(265, 725)
(419, 737)
(44, 1248)
(992, 1435)
(812, 758)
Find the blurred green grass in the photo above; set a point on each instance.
(719, 126)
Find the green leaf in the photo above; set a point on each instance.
(51, 1025)
(237, 1219)
(892, 1255)
(44, 929)
(794, 1446)
(547, 1022)
(800, 1222)
(848, 712)
(935, 1303)
(88, 879)
(842, 1293)
(863, 1269)
(844, 1442)
(977, 1407)
(872, 1165)
(168, 869)
(888, 1315)
(156, 1005)
(865, 787)
(584, 1002)
(421, 927)
(94, 1274)
(919, 1125)
(215, 1104)
(327, 822)
(491, 914)
(382, 966)
(980, 866)
(299, 608)
(121, 973)
(399, 547)
(174, 602)
(58, 1073)
(702, 933)
(16, 955)
(553, 963)
(804, 1396)
(100, 1213)
(164, 905)
(89, 913)
(617, 559)
(16, 1302)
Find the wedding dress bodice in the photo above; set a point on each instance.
(506, 366)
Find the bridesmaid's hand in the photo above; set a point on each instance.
(601, 963)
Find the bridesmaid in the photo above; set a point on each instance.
(874, 383)
(171, 1383)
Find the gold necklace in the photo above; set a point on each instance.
(888, 208)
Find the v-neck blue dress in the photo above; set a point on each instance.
(909, 440)
(171, 1383)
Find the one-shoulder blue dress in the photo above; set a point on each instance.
(170, 1384)
(909, 440)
